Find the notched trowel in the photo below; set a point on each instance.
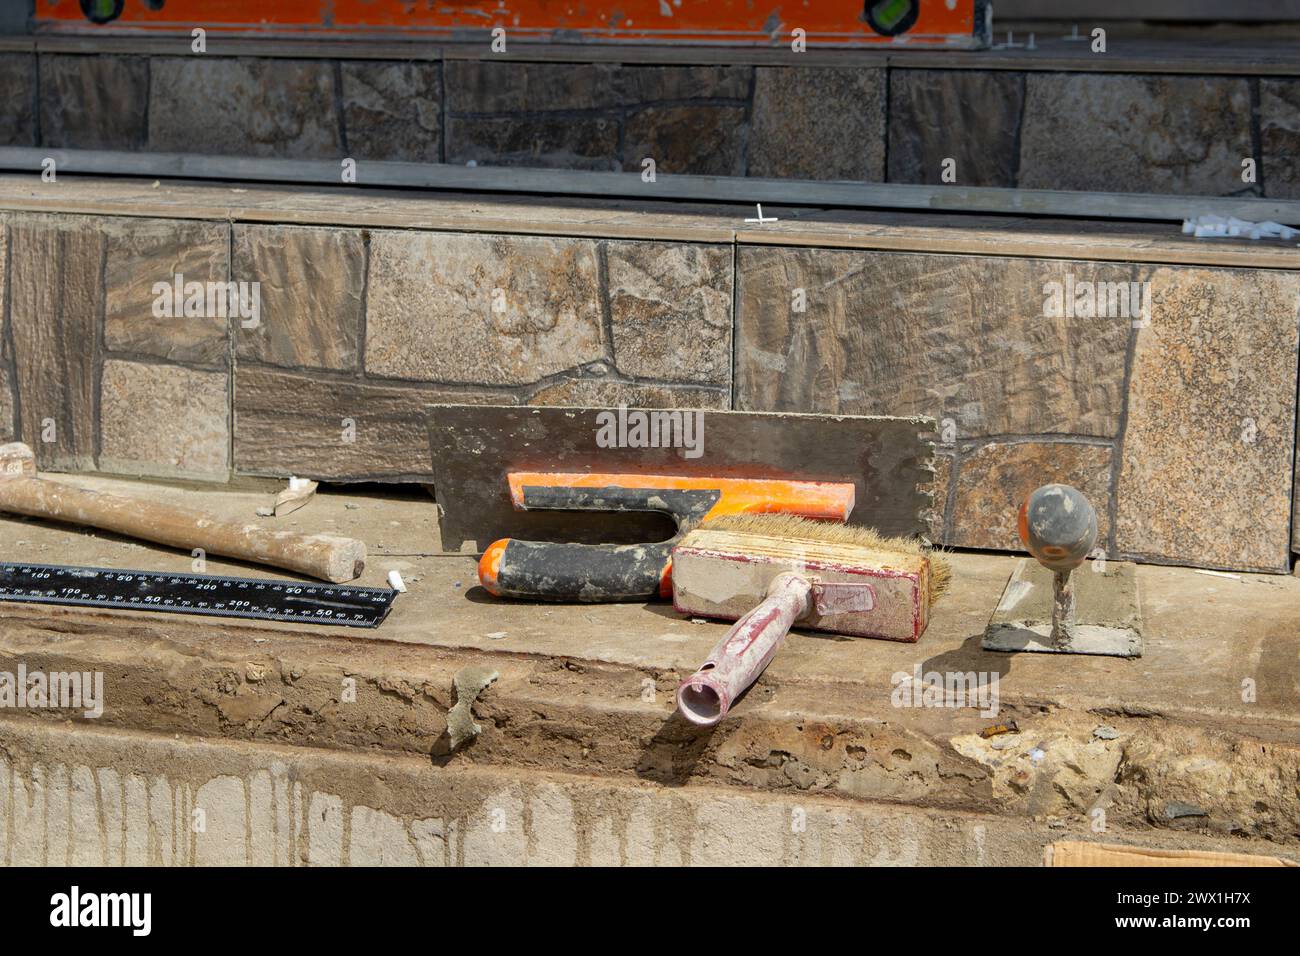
(1055, 603)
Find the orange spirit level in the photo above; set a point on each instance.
(962, 24)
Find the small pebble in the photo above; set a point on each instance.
(1105, 733)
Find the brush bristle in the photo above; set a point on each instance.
(795, 527)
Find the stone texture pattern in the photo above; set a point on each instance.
(164, 420)
(8, 423)
(1124, 133)
(532, 114)
(312, 284)
(1279, 128)
(94, 102)
(243, 106)
(670, 311)
(585, 392)
(943, 462)
(948, 336)
(142, 252)
(56, 298)
(553, 142)
(485, 86)
(392, 111)
(1115, 132)
(485, 310)
(18, 104)
(970, 116)
(647, 84)
(1208, 451)
(600, 116)
(819, 123)
(293, 424)
(703, 140)
(993, 479)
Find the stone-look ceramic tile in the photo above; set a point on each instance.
(548, 142)
(293, 424)
(701, 140)
(943, 461)
(993, 480)
(55, 300)
(7, 430)
(312, 284)
(1206, 474)
(93, 102)
(392, 111)
(8, 422)
(18, 104)
(969, 116)
(4, 286)
(638, 85)
(1122, 133)
(487, 86)
(818, 123)
(1279, 128)
(670, 309)
(243, 106)
(144, 252)
(587, 116)
(481, 310)
(602, 393)
(165, 421)
(962, 338)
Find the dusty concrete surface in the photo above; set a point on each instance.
(1197, 743)
(94, 797)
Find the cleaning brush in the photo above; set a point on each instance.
(769, 571)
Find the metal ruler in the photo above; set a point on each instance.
(210, 594)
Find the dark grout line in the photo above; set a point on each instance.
(363, 320)
(1257, 136)
(336, 73)
(97, 360)
(1121, 433)
(9, 346)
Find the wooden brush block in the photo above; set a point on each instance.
(724, 574)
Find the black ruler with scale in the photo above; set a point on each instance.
(210, 594)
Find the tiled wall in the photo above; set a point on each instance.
(1104, 131)
(1182, 429)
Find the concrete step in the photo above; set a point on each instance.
(106, 798)
(1197, 739)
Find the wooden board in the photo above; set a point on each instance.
(475, 446)
(1075, 853)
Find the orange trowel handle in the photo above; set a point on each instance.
(601, 573)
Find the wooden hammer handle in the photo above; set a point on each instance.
(326, 556)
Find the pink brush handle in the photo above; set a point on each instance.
(705, 697)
